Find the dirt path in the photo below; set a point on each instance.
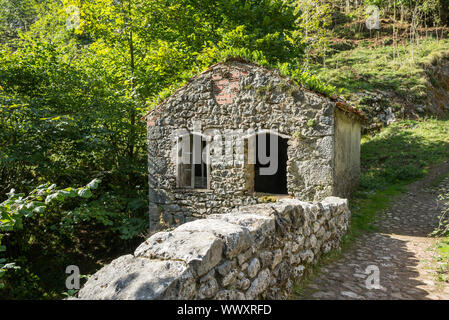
(400, 250)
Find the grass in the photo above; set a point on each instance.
(442, 247)
(383, 67)
(391, 159)
(402, 152)
(435, 183)
(443, 260)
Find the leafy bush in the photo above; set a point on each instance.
(43, 232)
(18, 208)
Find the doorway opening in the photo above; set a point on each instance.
(269, 177)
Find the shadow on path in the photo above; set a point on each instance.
(400, 250)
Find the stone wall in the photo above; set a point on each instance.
(239, 96)
(347, 155)
(256, 252)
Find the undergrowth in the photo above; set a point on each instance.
(398, 68)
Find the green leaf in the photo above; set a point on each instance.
(64, 194)
(39, 210)
(30, 205)
(11, 193)
(94, 184)
(70, 192)
(26, 213)
(85, 193)
(51, 197)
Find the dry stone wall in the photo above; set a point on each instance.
(255, 252)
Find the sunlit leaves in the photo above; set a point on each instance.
(19, 207)
(94, 184)
(85, 193)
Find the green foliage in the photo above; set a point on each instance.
(314, 17)
(67, 113)
(402, 152)
(443, 260)
(382, 68)
(307, 79)
(106, 210)
(53, 222)
(310, 122)
(16, 16)
(60, 121)
(71, 293)
(19, 207)
(268, 199)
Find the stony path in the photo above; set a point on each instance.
(400, 248)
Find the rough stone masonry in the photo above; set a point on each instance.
(322, 150)
(254, 252)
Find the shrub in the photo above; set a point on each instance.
(43, 232)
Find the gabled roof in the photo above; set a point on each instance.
(339, 102)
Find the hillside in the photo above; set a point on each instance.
(386, 74)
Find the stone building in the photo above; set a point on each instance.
(238, 121)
